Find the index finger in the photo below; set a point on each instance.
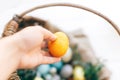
(47, 34)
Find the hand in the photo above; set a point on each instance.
(24, 50)
(30, 43)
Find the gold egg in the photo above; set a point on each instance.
(78, 73)
(38, 78)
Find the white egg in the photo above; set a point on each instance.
(68, 56)
(48, 77)
(56, 77)
(66, 71)
(53, 70)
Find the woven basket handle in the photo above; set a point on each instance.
(12, 26)
(75, 6)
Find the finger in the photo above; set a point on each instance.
(32, 37)
(44, 53)
(28, 38)
(37, 58)
(49, 60)
(47, 34)
(44, 44)
(33, 59)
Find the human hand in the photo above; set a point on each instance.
(24, 50)
(30, 42)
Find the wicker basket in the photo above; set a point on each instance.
(21, 21)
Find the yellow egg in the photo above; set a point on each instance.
(38, 78)
(59, 47)
(78, 73)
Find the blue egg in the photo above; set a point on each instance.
(43, 69)
(58, 65)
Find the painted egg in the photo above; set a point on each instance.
(48, 77)
(56, 77)
(43, 69)
(53, 70)
(38, 78)
(66, 71)
(58, 65)
(78, 73)
(59, 46)
(68, 56)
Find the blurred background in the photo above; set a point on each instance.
(102, 37)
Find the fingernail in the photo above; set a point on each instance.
(54, 38)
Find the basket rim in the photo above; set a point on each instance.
(115, 27)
